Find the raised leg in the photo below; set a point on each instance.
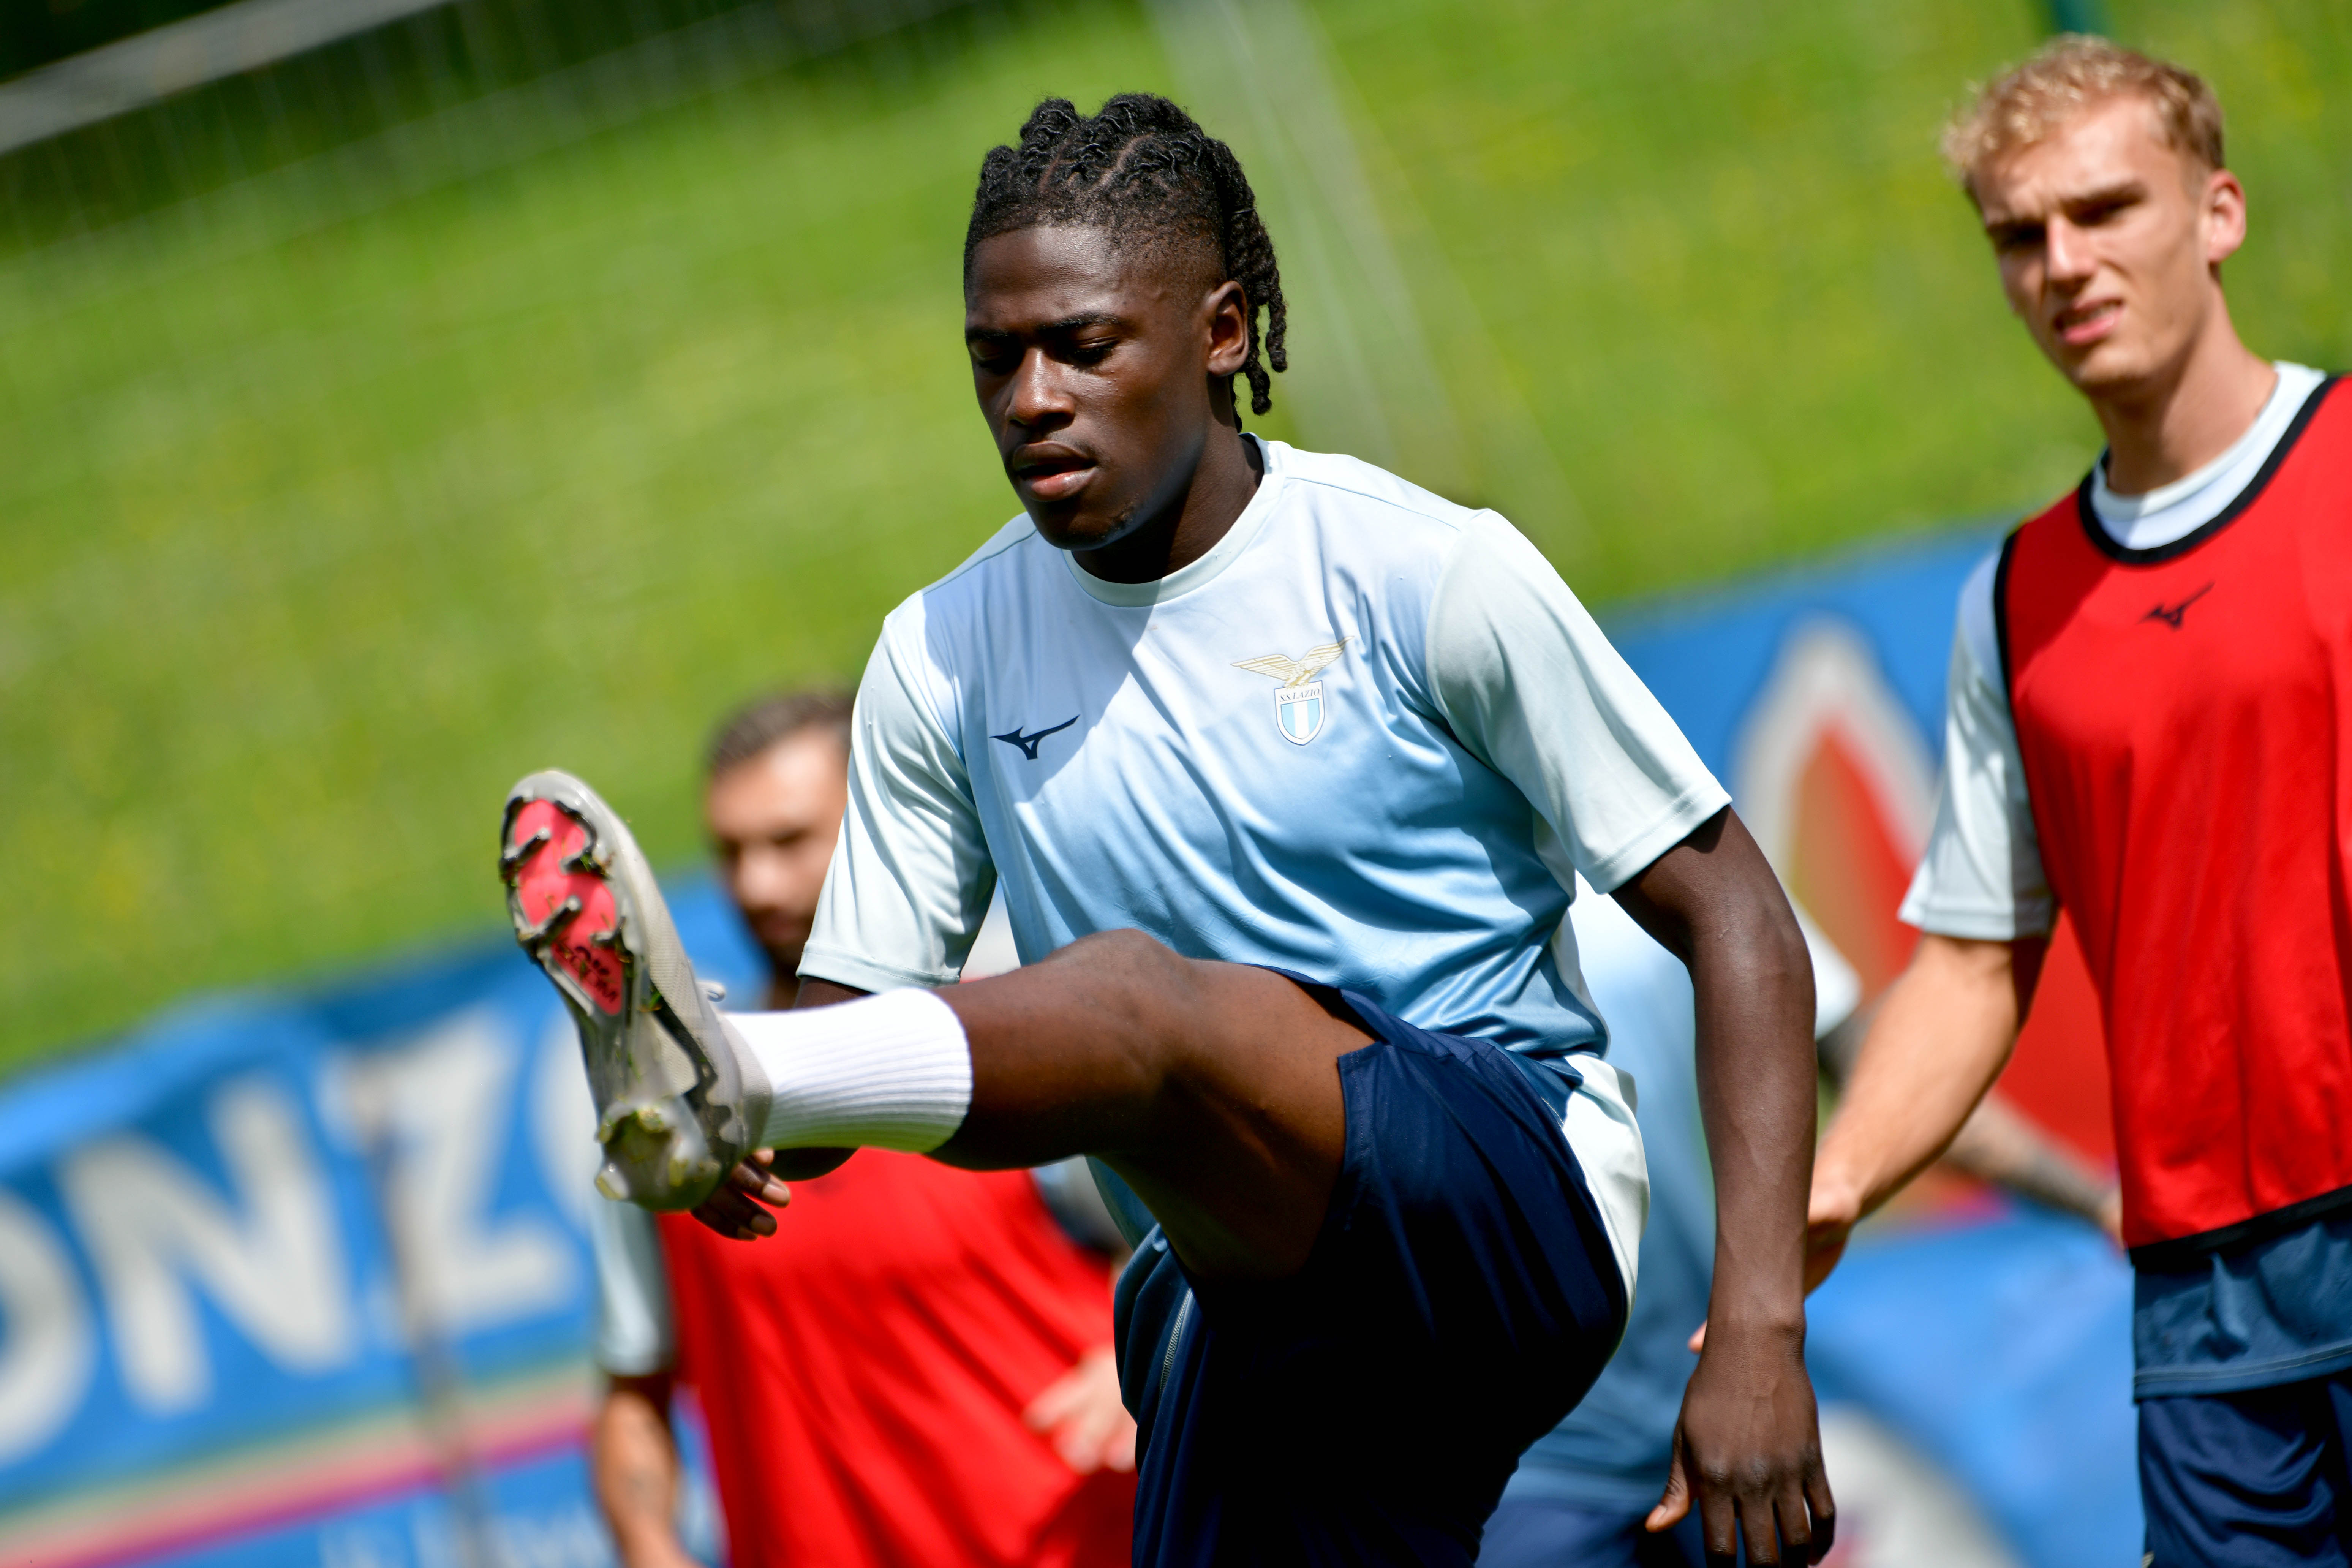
(1212, 1088)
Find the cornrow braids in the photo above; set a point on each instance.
(1144, 171)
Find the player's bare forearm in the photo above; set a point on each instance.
(1715, 903)
(636, 1466)
(1747, 1451)
(1996, 1143)
(1941, 1038)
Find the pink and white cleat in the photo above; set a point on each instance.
(674, 1111)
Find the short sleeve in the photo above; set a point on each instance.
(910, 879)
(1531, 687)
(632, 1335)
(1981, 876)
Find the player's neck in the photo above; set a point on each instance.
(2180, 421)
(783, 988)
(1201, 513)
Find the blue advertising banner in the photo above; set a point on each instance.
(308, 1273)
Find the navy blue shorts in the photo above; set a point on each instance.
(1461, 1298)
(2251, 1479)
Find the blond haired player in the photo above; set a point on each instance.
(2150, 725)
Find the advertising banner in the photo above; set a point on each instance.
(303, 1278)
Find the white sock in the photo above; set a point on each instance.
(890, 1071)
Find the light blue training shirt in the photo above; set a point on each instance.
(1370, 737)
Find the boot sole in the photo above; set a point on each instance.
(587, 910)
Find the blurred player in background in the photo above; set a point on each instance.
(1584, 1494)
(919, 1371)
(1283, 767)
(2150, 725)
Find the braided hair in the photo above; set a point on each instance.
(1143, 171)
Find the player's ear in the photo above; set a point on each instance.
(1225, 321)
(2225, 217)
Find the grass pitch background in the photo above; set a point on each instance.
(330, 504)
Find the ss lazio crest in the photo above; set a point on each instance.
(1298, 706)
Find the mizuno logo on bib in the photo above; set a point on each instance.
(1298, 706)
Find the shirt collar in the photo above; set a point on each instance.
(1197, 573)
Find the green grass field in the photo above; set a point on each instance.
(328, 510)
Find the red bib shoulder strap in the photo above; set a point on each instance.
(2001, 610)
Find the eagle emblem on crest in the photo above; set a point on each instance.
(1298, 705)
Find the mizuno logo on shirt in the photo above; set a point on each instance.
(2170, 614)
(1298, 706)
(1028, 743)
